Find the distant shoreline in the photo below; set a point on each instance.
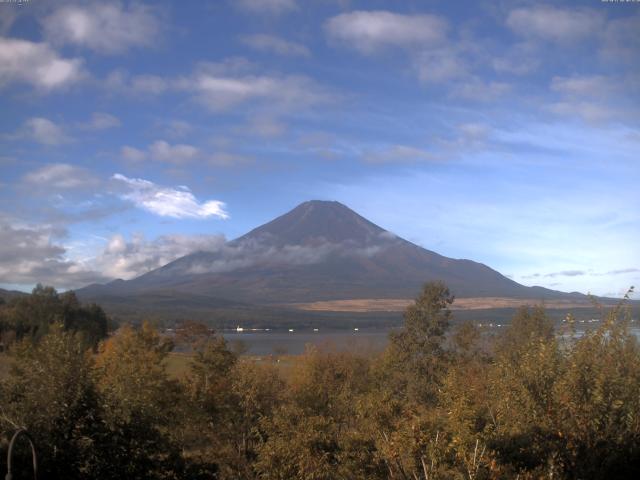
(399, 304)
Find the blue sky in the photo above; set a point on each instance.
(133, 133)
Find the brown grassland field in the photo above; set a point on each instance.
(399, 304)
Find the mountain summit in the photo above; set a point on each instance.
(314, 220)
(319, 251)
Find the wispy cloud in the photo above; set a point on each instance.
(221, 86)
(60, 176)
(439, 65)
(266, 126)
(622, 271)
(594, 98)
(178, 154)
(133, 154)
(181, 154)
(398, 154)
(270, 7)
(102, 121)
(434, 53)
(583, 85)
(521, 58)
(227, 159)
(580, 273)
(162, 151)
(566, 273)
(166, 201)
(369, 31)
(465, 137)
(277, 45)
(479, 90)
(41, 130)
(621, 42)
(146, 85)
(555, 23)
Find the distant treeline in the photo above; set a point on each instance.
(436, 404)
(33, 315)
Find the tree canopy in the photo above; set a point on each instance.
(441, 402)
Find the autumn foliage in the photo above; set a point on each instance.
(440, 402)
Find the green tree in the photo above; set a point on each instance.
(207, 427)
(50, 392)
(32, 315)
(415, 360)
(527, 325)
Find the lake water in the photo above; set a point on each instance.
(293, 343)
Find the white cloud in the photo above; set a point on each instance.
(43, 130)
(262, 252)
(177, 154)
(108, 28)
(129, 259)
(434, 57)
(166, 201)
(273, 7)
(29, 254)
(37, 64)
(369, 31)
(222, 86)
(271, 43)
(60, 176)
(162, 151)
(555, 24)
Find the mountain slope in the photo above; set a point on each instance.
(7, 295)
(317, 251)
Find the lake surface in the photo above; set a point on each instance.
(294, 343)
(280, 342)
